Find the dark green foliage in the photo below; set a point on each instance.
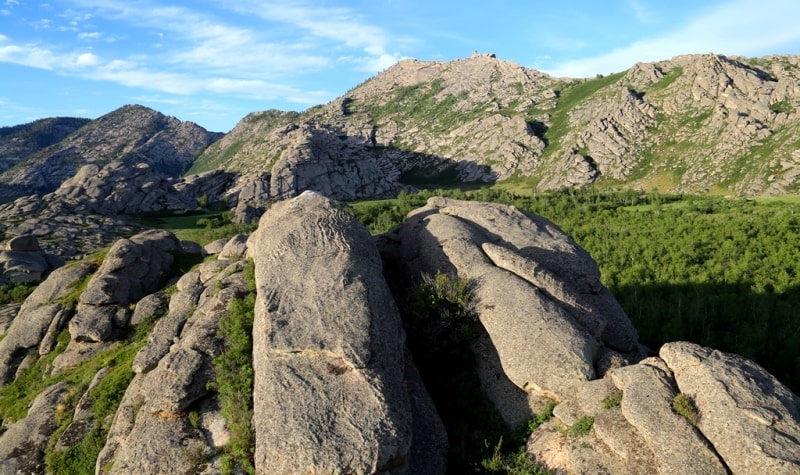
(234, 378)
(439, 334)
(513, 458)
(15, 293)
(441, 323)
(79, 459)
(717, 271)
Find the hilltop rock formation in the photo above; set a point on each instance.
(117, 357)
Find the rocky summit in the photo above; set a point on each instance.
(288, 351)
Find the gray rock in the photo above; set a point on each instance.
(36, 315)
(648, 391)
(22, 445)
(215, 247)
(539, 294)
(150, 305)
(24, 244)
(235, 248)
(752, 419)
(328, 346)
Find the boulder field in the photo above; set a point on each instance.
(335, 387)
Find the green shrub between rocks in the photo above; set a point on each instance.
(441, 323)
(15, 293)
(234, 378)
(582, 426)
(683, 405)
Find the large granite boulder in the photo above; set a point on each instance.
(551, 324)
(331, 392)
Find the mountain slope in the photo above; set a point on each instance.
(19, 141)
(130, 133)
(693, 123)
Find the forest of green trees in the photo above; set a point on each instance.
(721, 272)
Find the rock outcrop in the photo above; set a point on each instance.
(330, 373)
(539, 294)
(484, 119)
(23, 261)
(115, 355)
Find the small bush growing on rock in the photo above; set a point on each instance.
(516, 463)
(582, 426)
(683, 405)
(613, 400)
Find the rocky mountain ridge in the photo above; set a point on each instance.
(692, 123)
(121, 359)
(131, 134)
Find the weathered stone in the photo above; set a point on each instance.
(22, 445)
(539, 295)
(24, 244)
(36, 316)
(149, 306)
(648, 391)
(752, 419)
(176, 382)
(328, 346)
(235, 248)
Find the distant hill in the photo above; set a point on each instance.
(130, 133)
(19, 141)
(694, 123)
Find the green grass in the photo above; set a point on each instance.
(569, 98)
(197, 226)
(666, 81)
(613, 400)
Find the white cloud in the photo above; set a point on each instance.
(26, 55)
(89, 35)
(87, 59)
(741, 27)
(340, 25)
(641, 12)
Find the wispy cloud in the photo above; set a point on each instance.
(723, 29)
(642, 12)
(342, 26)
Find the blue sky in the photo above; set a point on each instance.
(212, 62)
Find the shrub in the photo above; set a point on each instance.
(683, 405)
(234, 378)
(582, 426)
(613, 400)
(15, 293)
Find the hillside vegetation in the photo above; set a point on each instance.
(717, 271)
